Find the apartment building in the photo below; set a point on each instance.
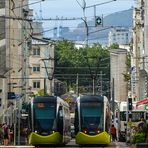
(41, 65)
(15, 31)
(3, 67)
(119, 35)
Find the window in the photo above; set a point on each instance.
(36, 68)
(2, 28)
(2, 3)
(2, 57)
(0, 102)
(36, 84)
(36, 51)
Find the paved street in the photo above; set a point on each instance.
(72, 144)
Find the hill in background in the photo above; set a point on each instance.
(122, 18)
(100, 33)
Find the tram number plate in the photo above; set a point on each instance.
(40, 105)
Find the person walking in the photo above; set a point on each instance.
(11, 134)
(6, 134)
(113, 133)
(1, 134)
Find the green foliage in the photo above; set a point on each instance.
(128, 61)
(83, 61)
(144, 129)
(127, 77)
(139, 138)
(114, 46)
(40, 93)
(141, 134)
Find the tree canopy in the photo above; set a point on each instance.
(84, 64)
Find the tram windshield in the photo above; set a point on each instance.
(44, 116)
(92, 115)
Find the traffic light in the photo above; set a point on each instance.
(130, 104)
(98, 21)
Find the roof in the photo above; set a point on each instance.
(39, 41)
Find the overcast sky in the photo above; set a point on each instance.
(73, 8)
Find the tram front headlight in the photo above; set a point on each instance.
(85, 131)
(98, 131)
(35, 131)
(53, 131)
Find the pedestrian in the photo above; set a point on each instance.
(113, 133)
(6, 134)
(141, 124)
(11, 134)
(1, 134)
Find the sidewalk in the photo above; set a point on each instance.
(119, 145)
(18, 146)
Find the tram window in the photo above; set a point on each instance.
(94, 109)
(44, 116)
(60, 111)
(123, 116)
(91, 114)
(45, 112)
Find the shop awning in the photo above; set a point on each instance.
(144, 101)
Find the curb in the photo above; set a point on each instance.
(142, 145)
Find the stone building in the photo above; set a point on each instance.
(118, 68)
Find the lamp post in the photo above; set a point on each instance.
(17, 114)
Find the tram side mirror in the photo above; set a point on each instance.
(60, 112)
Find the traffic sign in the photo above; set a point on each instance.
(98, 21)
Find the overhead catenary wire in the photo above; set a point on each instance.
(101, 3)
(43, 18)
(28, 4)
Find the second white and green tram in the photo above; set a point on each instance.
(49, 121)
(92, 120)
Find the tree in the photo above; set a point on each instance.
(40, 93)
(86, 61)
(64, 53)
(114, 46)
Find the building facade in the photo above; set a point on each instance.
(3, 65)
(15, 31)
(119, 35)
(41, 66)
(139, 55)
(118, 68)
